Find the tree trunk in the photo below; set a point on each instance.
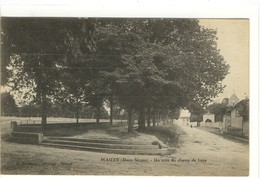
(141, 120)
(154, 117)
(111, 110)
(242, 127)
(159, 118)
(149, 116)
(130, 120)
(93, 114)
(99, 106)
(77, 112)
(98, 114)
(44, 107)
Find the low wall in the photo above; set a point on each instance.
(212, 124)
(246, 128)
(27, 138)
(236, 122)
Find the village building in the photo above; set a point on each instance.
(234, 122)
(233, 100)
(209, 120)
(208, 117)
(183, 120)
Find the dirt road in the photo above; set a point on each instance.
(201, 153)
(220, 156)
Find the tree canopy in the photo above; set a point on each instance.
(8, 105)
(144, 65)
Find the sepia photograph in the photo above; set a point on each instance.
(125, 96)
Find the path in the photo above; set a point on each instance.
(218, 154)
(201, 153)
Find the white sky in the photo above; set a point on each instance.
(233, 42)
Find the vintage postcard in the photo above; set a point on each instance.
(119, 96)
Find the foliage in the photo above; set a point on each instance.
(155, 65)
(243, 109)
(196, 110)
(8, 105)
(219, 109)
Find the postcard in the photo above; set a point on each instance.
(142, 94)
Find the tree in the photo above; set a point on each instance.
(196, 110)
(171, 62)
(37, 49)
(8, 105)
(33, 46)
(219, 109)
(30, 110)
(243, 109)
(147, 66)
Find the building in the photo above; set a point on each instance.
(237, 119)
(184, 120)
(233, 100)
(208, 117)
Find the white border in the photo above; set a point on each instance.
(192, 10)
(130, 10)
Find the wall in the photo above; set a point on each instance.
(182, 121)
(226, 123)
(246, 128)
(212, 124)
(193, 124)
(209, 116)
(236, 120)
(236, 123)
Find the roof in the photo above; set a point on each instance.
(208, 113)
(243, 106)
(239, 103)
(233, 100)
(183, 117)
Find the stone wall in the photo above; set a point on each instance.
(246, 128)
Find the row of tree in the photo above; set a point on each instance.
(33, 109)
(153, 67)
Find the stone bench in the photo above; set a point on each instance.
(26, 137)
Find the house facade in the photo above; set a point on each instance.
(208, 117)
(183, 121)
(209, 120)
(234, 122)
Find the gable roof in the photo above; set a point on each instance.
(233, 100)
(208, 113)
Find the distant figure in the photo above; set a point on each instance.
(190, 126)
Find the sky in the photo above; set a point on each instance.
(233, 42)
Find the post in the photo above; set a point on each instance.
(149, 116)
(13, 126)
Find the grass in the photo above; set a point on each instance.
(168, 134)
(121, 132)
(72, 129)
